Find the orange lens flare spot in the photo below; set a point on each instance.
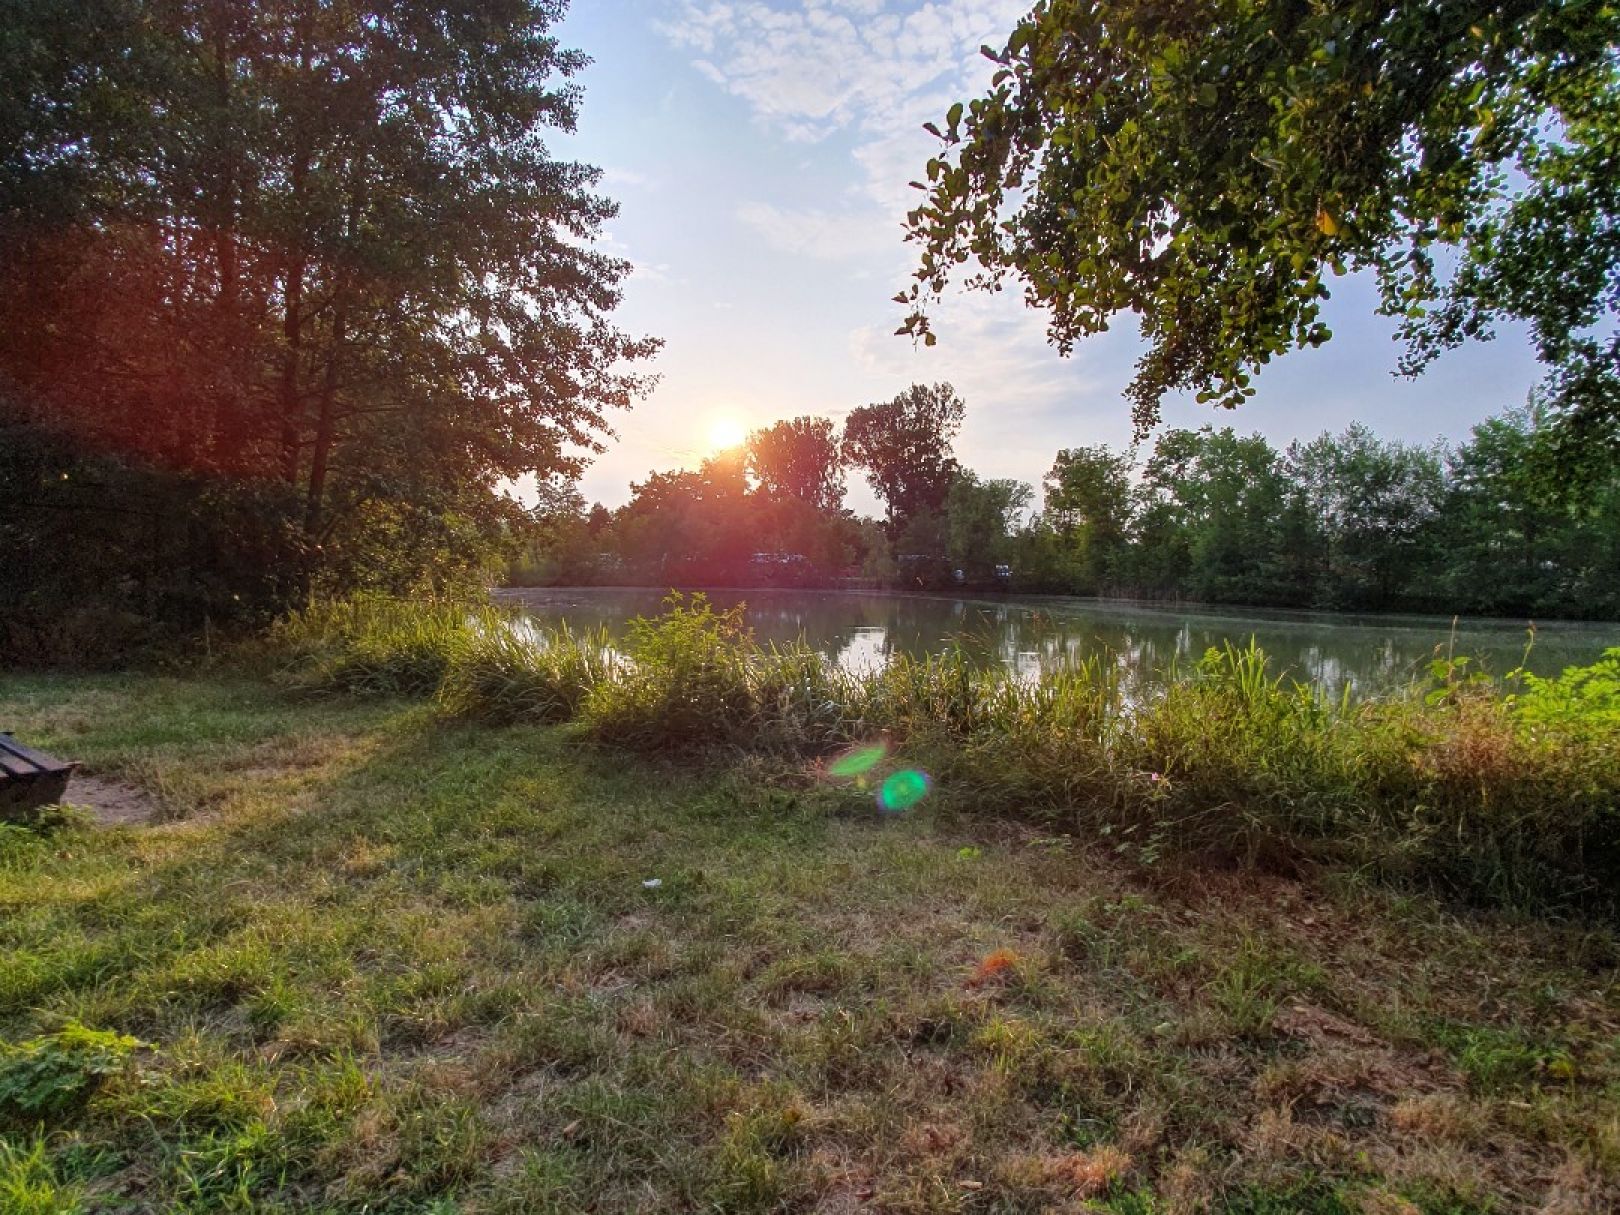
(994, 967)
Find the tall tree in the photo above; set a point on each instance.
(798, 459)
(320, 245)
(1376, 507)
(1211, 502)
(1207, 165)
(1088, 502)
(982, 517)
(905, 447)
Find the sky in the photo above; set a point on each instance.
(760, 153)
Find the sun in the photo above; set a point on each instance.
(726, 433)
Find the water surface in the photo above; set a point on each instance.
(1026, 636)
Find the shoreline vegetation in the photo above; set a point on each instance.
(436, 914)
(1502, 791)
(1343, 522)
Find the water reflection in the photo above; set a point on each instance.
(861, 631)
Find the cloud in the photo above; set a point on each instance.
(617, 178)
(833, 64)
(850, 67)
(829, 237)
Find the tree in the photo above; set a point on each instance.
(1515, 540)
(905, 447)
(320, 247)
(981, 518)
(1088, 502)
(798, 459)
(1375, 506)
(1211, 501)
(1206, 165)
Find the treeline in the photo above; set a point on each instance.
(1347, 521)
(773, 510)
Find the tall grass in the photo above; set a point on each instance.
(503, 671)
(1507, 798)
(371, 645)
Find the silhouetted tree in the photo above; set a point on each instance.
(904, 445)
(798, 459)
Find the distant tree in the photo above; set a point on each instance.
(1517, 540)
(1207, 525)
(1375, 506)
(689, 527)
(982, 518)
(1088, 502)
(798, 459)
(1207, 165)
(904, 445)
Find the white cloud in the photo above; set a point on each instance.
(846, 67)
(818, 234)
(832, 64)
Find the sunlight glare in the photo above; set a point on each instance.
(726, 433)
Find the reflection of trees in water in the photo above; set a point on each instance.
(863, 631)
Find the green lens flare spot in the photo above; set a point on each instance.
(857, 761)
(903, 790)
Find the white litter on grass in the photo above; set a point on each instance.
(653, 883)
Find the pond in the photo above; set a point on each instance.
(1030, 635)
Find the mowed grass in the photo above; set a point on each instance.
(384, 962)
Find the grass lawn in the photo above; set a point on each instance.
(383, 963)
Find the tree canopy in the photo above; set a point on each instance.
(798, 458)
(315, 255)
(905, 447)
(1208, 165)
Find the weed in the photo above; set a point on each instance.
(50, 1076)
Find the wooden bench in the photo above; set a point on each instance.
(29, 779)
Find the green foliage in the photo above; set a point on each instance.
(1088, 502)
(799, 459)
(502, 671)
(372, 645)
(981, 517)
(49, 1077)
(1342, 522)
(686, 682)
(390, 301)
(1508, 799)
(1582, 698)
(904, 445)
(1208, 166)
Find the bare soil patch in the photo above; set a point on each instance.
(113, 803)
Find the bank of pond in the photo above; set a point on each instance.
(1502, 788)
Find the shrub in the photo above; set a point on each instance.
(1506, 798)
(370, 645)
(687, 682)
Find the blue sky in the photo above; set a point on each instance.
(760, 154)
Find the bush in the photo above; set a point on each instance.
(687, 682)
(370, 645)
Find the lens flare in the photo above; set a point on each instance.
(857, 761)
(903, 789)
